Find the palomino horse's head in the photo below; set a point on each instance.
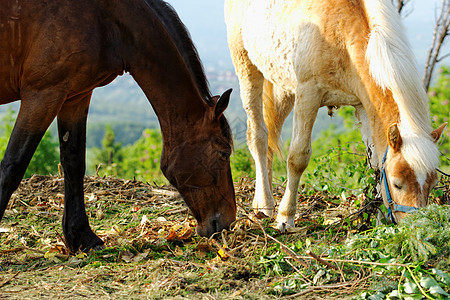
(199, 167)
(407, 175)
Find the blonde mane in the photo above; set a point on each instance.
(392, 66)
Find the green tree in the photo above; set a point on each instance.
(46, 157)
(440, 111)
(110, 155)
(338, 162)
(241, 163)
(6, 128)
(142, 159)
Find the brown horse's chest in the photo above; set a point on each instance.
(9, 89)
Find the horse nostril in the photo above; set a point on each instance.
(210, 228)
(215, 226)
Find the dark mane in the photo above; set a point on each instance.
(183, 41)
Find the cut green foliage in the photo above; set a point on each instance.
(420, 237)
(420, 241)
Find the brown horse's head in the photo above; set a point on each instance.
(199, 167)
(410, 170)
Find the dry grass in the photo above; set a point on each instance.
(153, 251)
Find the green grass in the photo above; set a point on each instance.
(152, 260)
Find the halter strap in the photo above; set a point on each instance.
(397, 207)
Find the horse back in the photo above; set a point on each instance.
(53, 43)
(292, 42)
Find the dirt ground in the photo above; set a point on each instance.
(153, 252)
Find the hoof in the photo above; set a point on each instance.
(260, 215)
(263, 205)
(285, 224)
(85, 241)
(94, 243)
(98, 248)
(263, 213)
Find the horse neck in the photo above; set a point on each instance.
(152, 58)
(382, 111)
(390, 90)
(379, 104)
(173, 96)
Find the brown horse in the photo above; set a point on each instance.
(54, 53)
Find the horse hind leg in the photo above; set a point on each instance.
(277, 106)
(307, 104)
(72, 139)
(35, 116)
(257, 141)
(366, 133)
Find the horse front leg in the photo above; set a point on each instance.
(278, 103)
(307, 104)
(72, 139)
(35, 115)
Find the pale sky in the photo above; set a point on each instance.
(204, 19)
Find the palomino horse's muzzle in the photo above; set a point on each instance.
(392, 206)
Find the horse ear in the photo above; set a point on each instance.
(222, 103)
(394, 138)
(215, 99)
(436, 134)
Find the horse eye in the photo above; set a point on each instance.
(224, 155)
(398, 187)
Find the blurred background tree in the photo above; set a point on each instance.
(109, 156)
(440, 112)
(46, 158)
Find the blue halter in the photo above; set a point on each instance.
(397, 207)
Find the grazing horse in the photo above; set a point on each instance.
(54, 53)
(305, 54)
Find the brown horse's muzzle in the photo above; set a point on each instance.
(204, 181)
(214, 210)
(215, 224)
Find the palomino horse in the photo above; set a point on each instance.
(54, 53)
(305, 54)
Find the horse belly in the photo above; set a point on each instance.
(270, 44)
(11, 47)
